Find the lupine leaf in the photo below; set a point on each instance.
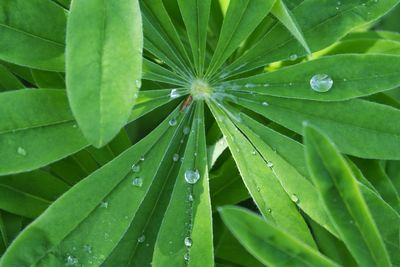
(343, 200)
(32, 33)
(269, 244)
(101, 90)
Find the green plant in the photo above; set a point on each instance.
(95, 172)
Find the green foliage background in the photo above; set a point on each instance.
(186, 133)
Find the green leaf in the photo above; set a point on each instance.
(358, 127)
(285, 16)
(343, 200)
(8, 81)
(196, 14)
(29, 120)
(188, 217)
(266, 190)
(32, 33)
(101, 83)
(353, 76)
(240, 21)
(96, 208)
(270, 244)
(320, 30)
(29, 194)
(47, 79)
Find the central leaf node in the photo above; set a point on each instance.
(200, 90)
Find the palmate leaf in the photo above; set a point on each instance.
(100, 35)
(343, 200)
(197, 53)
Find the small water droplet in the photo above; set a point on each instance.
(136, 168)
(186, 130)
(174, 94)
(295, 198)
(321, 83)
(191, 198)
(141, 238)
(293, 57)
(254, 153)
(71, 261)
(192, 176)
(21, 151)
(270, 164)
(269, 210)
(104, 204)
(142, 158)
(87, 249)
(188, 242)
(74, 126)
(175, 157)
(186, 257)
(138, 84)
(172, 122)
(265, 104)
(138, 182)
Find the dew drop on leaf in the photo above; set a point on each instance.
(138, 84)
(191, 198)
(270, 164)
(141, 238)
(186, 257)
(21, 151)
(174, 94)
(295, 198)
(265, 104)
(104, 204)
(186, 130)
(137, 182)
(293, 57)
(87, 249)
(321, 83)
(188, 242)
(71, 261)
(192, 176)
(175, 157)
(142, 158)
(172, 122)
(136, 168)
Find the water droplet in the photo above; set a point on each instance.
(321, 83)
(270, 164)
(175, 157)
(136, 168)
(191, 198)
(293, 57)
(295, 198)
(138, 84)
(250, 85)
(71, 261)
(104, 204)
(172, 122)
(192, 176)
(138, 182)
(142, 158)
(186, 257)
(141, 238)
(254, 153)
(87, 249)
(186, 130)
(265, 104)
(21, 151)
(269, 210)
(74, 126)
(188, 242)
(174, 93)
